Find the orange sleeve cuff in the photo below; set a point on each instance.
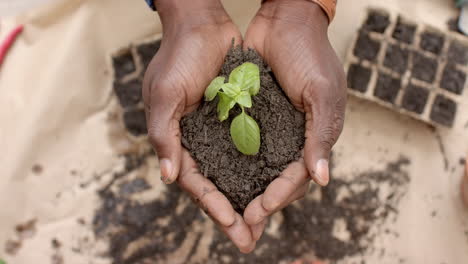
(328, 6)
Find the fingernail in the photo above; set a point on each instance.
(166, 169)
(322, 172)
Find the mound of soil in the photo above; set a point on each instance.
(242, 178)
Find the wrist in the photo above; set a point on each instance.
(303, 11)
(190, 11)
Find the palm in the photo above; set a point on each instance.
(188, 60)
(292, 38)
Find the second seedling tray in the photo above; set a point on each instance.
(412, 68)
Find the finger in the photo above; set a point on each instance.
(277, 193)
(205, 193)
(164, 113)
(324, 123)
(257, 230)
(280, 190)
(255, 213)
(239, 233)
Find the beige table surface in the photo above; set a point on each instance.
(56, 96)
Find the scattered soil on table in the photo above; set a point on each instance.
(432, 42)
(424, 68)
(396, 58)
(242, 178)
(358, 78)
(37, 169)
(443, 110)
(12, 246)
(26, 229)
(453, 80)
(366, 48)
(404, 32)
(387, 88)
(377, 22)
(169, 227)
(415, 99)
(458, 53)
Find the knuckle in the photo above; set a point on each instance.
(327, 137)
(156, 134)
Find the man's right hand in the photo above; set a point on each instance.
(197, 36)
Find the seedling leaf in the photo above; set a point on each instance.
(225, 104)
(245, 134)
(244, 99)
(213, 89)
(231, 90)
(247, 76)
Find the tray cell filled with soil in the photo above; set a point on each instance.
(458, 52)
(387, 88)
(146, 52)
(358, 78)
(432, 42)
(443, 110)
(424, 68)
(396, 58)
(377, 22)
(415, 99)
(123, 65)
(453, 80)
(366, 47)
(404, 31)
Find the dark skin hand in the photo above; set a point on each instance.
(292, 37)
(197, 36)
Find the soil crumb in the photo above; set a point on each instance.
(37, 169)
(242, 178)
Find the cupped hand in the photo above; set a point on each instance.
(291, 35)
(195, 40)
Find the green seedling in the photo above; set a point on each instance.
(244, 82)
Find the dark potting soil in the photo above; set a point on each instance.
(358, 78)
(432, 42)
(453, 80)
(377, 22)
(404, 31)
(396, 58)
(443, 110)
(415, 99)
(424, 68)
(458, 53)
(242, 178)
(366, 48)
(387, 88)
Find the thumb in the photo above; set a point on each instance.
(164, 135)
(324, 123)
